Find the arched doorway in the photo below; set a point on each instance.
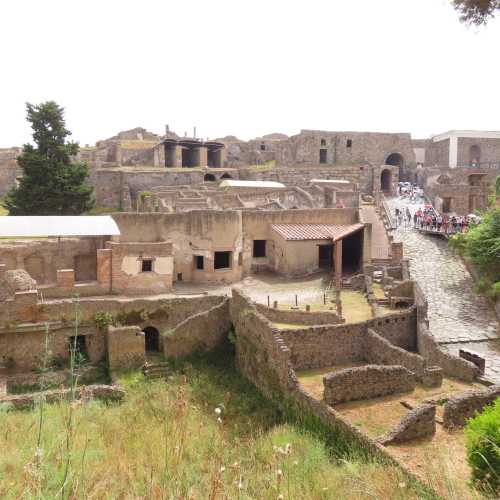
(474, 155)
(386, 180)
(152, 337)
(209, 178)
(397, 160)
(226, 176)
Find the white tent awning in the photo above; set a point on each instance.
(57, 225)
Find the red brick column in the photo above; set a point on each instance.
(104, 267)
(66, 278)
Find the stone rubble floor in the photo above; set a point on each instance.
(458, 317)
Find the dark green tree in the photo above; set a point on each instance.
(476, 11)
(53, 183)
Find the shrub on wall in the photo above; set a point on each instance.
(483, 449)
(103, 320)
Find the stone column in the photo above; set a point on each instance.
(178, 156)
(337, 250)
(202, 156)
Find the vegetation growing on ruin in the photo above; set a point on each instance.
(482, 246)
(207, 433)
(53, 183)
(476, 11)
(483, 449)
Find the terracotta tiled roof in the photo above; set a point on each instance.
(315, 231)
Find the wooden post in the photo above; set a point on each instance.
(338, 264)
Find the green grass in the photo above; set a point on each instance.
(165, 441)
(3, 210)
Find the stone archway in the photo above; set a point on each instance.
(386, 180)
(209, 178)
(226, 176)
(396, 160)
(152, 339)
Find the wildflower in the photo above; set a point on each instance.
(288, 448)
(218, 411)
(279, 473)
(280, 496)
(219, 420)
(402, 485)
(295, 462)
(222, 469)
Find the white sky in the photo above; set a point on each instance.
(247, 68)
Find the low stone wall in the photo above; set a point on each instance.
(399, 328)
(26, 401)
(299, 317)
(321, 346)
(452, 366)
(380, 351)
(459, 408)
(417, 423)
(199, 333)
(370, 381)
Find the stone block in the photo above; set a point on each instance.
(474, 358)
(432, 376)
(66, 278)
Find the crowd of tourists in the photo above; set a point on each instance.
(427, 218)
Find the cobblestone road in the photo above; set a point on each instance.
(458, 317)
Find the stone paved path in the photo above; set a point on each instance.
(458, 317)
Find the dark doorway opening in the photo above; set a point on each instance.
(209, 178)
(259, 248)
(78, 345)
(325, 256)
(189, 157)
(386, 181)
(397, 160)
(222, 260)
(225, 176)
(352, 252)
(152, 339)
(199, 262)
(169, 155)
(323, 154)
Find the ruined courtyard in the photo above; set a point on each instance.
(285, 245)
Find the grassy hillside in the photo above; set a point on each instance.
(166, 441)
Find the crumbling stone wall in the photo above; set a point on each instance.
(261, 354)
(463, 406)
(417, 423)
(379, 351)
(370, 381)
(98, 391)
(201, 332)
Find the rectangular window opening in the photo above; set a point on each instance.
(322, 155)
(199, 262)
(147, 265)
(222, 260)
(323, 142)
(349, 143)
(259, 248)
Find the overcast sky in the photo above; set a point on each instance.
(247, 68)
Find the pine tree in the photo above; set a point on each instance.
(52, 183)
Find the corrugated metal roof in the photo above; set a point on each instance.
(315, 231)
(251, 184)
(57, 225)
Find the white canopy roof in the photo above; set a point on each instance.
(57, 225)
(251, 184)
(330, 181)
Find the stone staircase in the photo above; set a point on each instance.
(156, 370)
